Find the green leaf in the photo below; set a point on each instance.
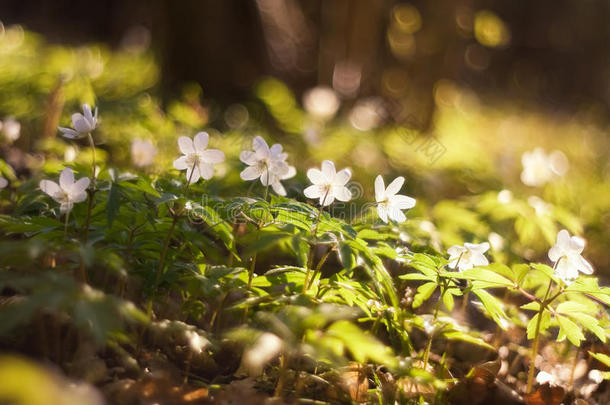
(571, 330)
(603, 358)
(532, 306)
(544, 324)
(142, 185)
(416, 276)
(465, 337)
(493, 307)
(572, 307)
(485, 277)
(113, 203)
(346, 255)
(424, 292)
(448, 301)
(362, 346)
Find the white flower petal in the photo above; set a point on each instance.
(248, 157)
(276, 149)
(65, 207)
(69, 133)
(341, 193)
(279, 168)
(328, 170)
(181, 163)
(315, 176)
(555, 253)
(478, 259)
(327, 200)
(342, 177)
(480, 248)
(3, 182)
(456, 250)
(78, 197)
(563, 239)
(566, 270)
(200, 142)
(79, 187)
(395, 186)
(213, 156)
(379, 189)
(314, 191)
(81, 124)
(278, 188)
(292, 171)
(192, 175)
(260, 147)
(585, 267)
(186, 145)
(397, 215)
(250, 173)
(382, 212)
(87, 113)
(577, 244)
(403, 202)
(206, 171)
(66, 179)
(51, 188)
(258, 142)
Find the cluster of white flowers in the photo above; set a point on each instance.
(565, 254)
(269, 165)
(70, 191)
(540, 167)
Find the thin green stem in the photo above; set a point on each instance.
(532, 369)
(168, 238)
(91, 190)
(434, 318)
(267, 185)
(311, 248)
(319, 268)
(93, 162)
(251, 271)
(90, 202)
(66, 224)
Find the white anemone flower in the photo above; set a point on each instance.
(11, 129)
(389, 202)
(68, 192)
(83, 124)
(197, 160)
(468, 256)
(268, 164)
(540, 167)
(328, 184)
(143, 152)
(566, 255)
(3, 182)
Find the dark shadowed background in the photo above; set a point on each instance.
(553, 53)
